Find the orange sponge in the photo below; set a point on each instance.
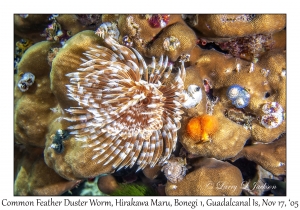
(199, 128)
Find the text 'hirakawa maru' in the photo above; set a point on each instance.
(156, 202)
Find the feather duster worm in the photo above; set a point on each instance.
(127, 114)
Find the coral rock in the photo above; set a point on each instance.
(33, 107)
(223, 26)
(31, 27)
(151, 41)
(107, 184)
(266, 83)
(210, 177)
(34, 177)
(226, 142)
(68, 60)
(152, 172)
(74, 24)
(75, 161)
(271, 157)
(186, 41)
(253, 187)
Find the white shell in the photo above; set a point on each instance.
(272, 107)
(234, 92)
(193, 96)
(272, 120)
(171, 43)
(26, 80)
(274, 115)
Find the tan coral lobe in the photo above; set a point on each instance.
(211, 177)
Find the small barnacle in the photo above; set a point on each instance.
(175, 169)
(209, 91)
(272, 120)
(233, 91)
(274, 115)
(108, 29)
(184, 58)
(26, 80)
(134, 28)
(251, 67)
(127, 41)
(239, 96)
(58, 139)
(241, 101)
(23, 86)
(265, 72)
(211, 100)
(62, 134)
(56, 109)
(192, 96)
(58, 146)
(171, 43)
(53, 16)
(238, 67)
(272, 107)
(283, 73)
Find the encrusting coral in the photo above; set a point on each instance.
(232, 25)
(33, 108)
(34, 177)
(107, 184)
(253, 186)
(30, 26)
(152, 172)
(271, 157)
(171, 39)
(224, 143)
(268, 85)
(210, 177)
(264, 81)
(245, 36)
(108, 109)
